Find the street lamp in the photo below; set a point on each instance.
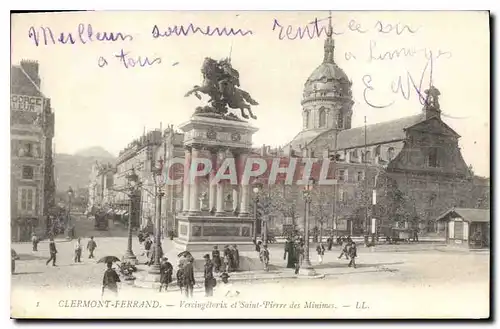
(68, 221)
(308, 269)
(133, 186)
(256, 190)
(155, 268)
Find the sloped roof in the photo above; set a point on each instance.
(22, 84)
(468, 214)
(377, 133)
(304, 138)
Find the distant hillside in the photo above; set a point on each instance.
(74, 170)
(95, 151)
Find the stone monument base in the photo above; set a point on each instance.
(203, 232)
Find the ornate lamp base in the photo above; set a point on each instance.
(154, 270)
(130, 257)
(307, 271)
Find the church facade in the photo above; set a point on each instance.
(419, 155)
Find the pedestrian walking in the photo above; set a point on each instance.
(228, 259)
(188, 276)
(153, 254)
(180, 277)
(353, 253)
(110, 280)
(216, 259)
(91, 246)
(258, 246)
(166, 270)
(78, 251)
(236, 257)
(320, 249)
(344, 247)
(13, 258)
(301, 251)
(147, 246)
(53, 252)
(209, 276)
(290, 252)
(264, 257)
(330, 242)
(34, 241)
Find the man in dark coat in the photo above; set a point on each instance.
(180, 277)
(91, 245)
(216, 259)
(236, 257)
(290, 251)
(110, 280)
(166, 270)
(188, 276)
(229, 255)
(353, 253)
(209, 276)
(53, 252)
(330, 242)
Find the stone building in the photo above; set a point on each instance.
(101, 186)
(420, 153)
(32, 169)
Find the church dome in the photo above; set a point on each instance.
(328, 78)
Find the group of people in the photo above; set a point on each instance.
(229, 261)
(349, 250)
(91, 246)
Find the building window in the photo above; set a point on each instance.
(322, 118)
(340, 121)
(306, 120)
(342, 196)
(433, 157)
(26, 200)
(342, 175)
(27, 172)
(359, 176)
(377, 151)
(390, 153)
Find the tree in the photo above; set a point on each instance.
(321, 208)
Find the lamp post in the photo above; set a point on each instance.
(133, 186)
(308, 269)
(157, 176)
(256, 191)
(68, 221)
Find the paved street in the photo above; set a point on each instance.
(421, 277)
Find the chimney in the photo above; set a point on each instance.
(31, 69)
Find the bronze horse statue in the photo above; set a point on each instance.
(220, 83)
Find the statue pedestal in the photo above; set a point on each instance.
(202, 233)
(199, 230)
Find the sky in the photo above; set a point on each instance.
(109, 106)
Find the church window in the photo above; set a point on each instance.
(307, 119)
(322, 118)
(377, 151)
(348, 122)
(368, 156)
(433, 157)
(340, 121)
(390, 153)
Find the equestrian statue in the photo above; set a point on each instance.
(221, 83)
